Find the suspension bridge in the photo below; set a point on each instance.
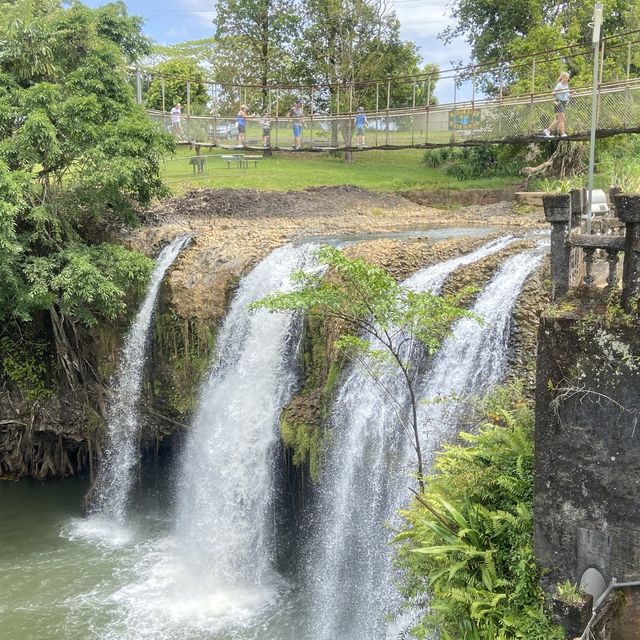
(402, 111)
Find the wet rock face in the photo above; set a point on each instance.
(587, 467)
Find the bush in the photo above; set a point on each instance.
(467, 163)
(467, 546)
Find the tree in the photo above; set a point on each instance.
(77, 158)
(517, 28)
(343, 43)
(174, 74)
(387, 324)
(255, 35)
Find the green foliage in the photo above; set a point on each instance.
(87, 283)
(369, 299)
(558, 186)
(381, 318)
(26, 366)
(355, 39)
(519, 28)
(569, 593)
(253, 39)
(476, 162)
(78, 157)
(466, 548)
(306, 443)
(176, 72)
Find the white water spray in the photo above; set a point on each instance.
(366, 478)
(120, 455)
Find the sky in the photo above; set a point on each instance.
(172, 21)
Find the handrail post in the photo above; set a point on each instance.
(277, 113)
(138, 86)
(216, 89)
(455, 108)
(189, 110)
(312, 108)
(413, 110)
(426, 126)
(377, 111)
(473, 101)
(386, 137)
(533, 91)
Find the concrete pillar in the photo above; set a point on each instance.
(577, 207)
(628, 210)
(557, 211)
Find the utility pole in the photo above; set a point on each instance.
(597, 23)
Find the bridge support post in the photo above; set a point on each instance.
(557, 211)
(628, 210)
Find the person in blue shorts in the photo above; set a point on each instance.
(241, 121)
(297, 113)
(361, 122)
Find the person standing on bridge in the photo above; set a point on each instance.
(297, 113)
(241, 122)
(361, 122)
(562, 95)
(176, 127)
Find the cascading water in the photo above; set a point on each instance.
(224, 529)
(366, 477)
(119, 459)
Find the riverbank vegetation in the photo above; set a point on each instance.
(77, 158)
(467, 546)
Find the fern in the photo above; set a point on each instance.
(474, 562)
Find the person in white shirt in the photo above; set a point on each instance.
(176, 126)
(562, 95)
(265, 123)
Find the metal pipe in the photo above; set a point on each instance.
(613, 585)
(597, 22)
(188, 110)
(426, 125)
(377, 111)
(138, 86)
(386, 126)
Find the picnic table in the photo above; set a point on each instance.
(241, 160)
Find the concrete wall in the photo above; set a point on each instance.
(587, 473)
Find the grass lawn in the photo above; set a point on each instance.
(376, 170)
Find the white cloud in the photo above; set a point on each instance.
(201, 11)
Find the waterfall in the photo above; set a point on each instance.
(120, 454)
(225, 504)
(366, 477)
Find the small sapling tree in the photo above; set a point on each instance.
(387, 324)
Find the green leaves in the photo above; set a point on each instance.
(75, 153)
(470, 552)
(88, 283)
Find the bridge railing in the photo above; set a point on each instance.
(485, 120)
(593, 260)
(510, 99)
